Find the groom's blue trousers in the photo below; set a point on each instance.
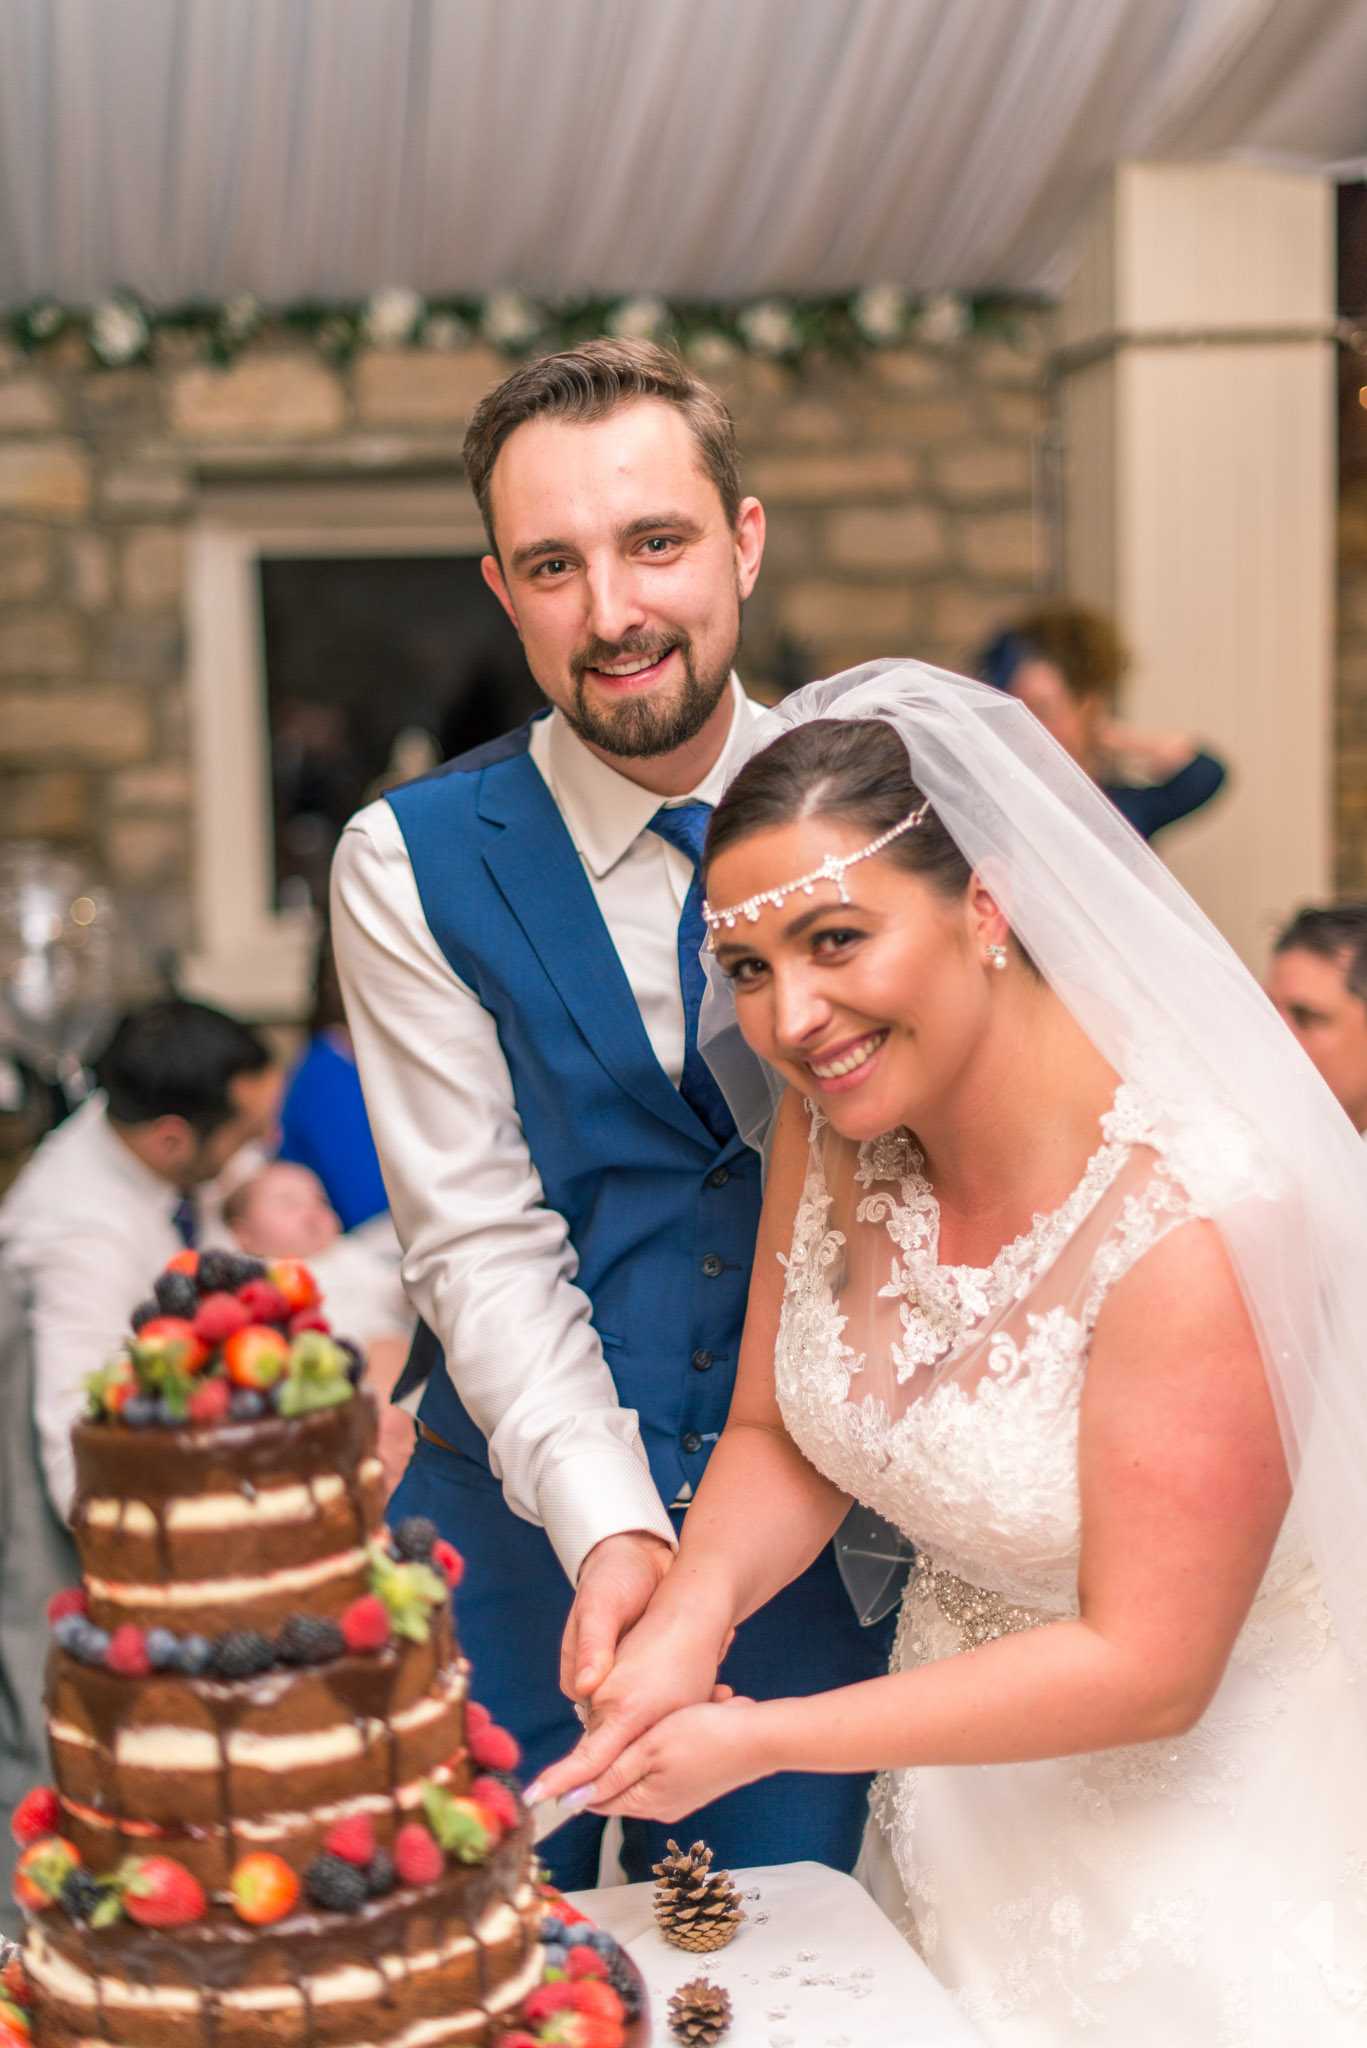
(513, 1603)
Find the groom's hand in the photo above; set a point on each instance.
(616, 1582)
(664, 1664)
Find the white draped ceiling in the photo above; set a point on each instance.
(709, 148)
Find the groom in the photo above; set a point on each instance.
(518, 940)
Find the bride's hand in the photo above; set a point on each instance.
(692, 1757)
(662, 1665)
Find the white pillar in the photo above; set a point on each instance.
(1197, 385)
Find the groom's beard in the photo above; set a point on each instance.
(641, 727)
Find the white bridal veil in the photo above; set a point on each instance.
(1246, 1122)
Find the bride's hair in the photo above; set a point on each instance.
(856, 770)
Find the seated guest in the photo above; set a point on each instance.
(120, 1188)
(323, 1124)
(1318, 983)
(1065, 663)
(282, 1212)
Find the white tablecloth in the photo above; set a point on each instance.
(815, 1965)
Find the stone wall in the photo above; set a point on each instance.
(899, 487)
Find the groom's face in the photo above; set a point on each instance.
(624, 578)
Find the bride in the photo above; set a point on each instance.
(1061, 1272)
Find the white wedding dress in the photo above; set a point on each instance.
(1203, 1892)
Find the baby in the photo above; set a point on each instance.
(282, 1212)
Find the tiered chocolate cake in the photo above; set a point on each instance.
(276, 1815)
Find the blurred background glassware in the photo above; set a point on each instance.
(56, 964)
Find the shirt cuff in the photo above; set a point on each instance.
(585, 1499)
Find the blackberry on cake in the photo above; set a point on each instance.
(176, 1294)
(310, 1639)
(240, 1653)
(332, 1882)
(414, 1538)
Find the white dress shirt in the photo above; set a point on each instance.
(488, 1264)
(85, 1229)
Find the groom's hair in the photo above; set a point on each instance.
(1337, 932)
(589, 383)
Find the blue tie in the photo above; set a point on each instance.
(685, 826)
(186, 1219)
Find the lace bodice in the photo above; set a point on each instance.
(946, 1397)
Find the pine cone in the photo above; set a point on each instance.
(700, 2012)
(696, 1907)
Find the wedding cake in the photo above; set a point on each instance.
(276, 1813)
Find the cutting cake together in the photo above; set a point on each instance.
(276, 1812)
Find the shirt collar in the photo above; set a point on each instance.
(146, 1184)
(606, 812)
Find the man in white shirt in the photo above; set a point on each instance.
(1318, 981)
(122, 1186)
(517, 937)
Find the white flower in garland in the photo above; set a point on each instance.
(942, 320)
(239, 316)
(118, 331)
(446, 331)
(510, 320)
(45, 319)
(879, 312)
(712, 352)
(391, 316)
(638, 319)
(769, 327)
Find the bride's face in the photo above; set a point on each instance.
(875, 1007)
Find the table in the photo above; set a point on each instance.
(815, 1965)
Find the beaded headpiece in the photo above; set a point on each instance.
(832, 869)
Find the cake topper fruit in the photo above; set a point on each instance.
(222, 1339)
(255, 1356)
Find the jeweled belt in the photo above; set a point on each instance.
(979, 1615)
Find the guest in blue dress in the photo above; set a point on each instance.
(1065, 662)
(323, 1123)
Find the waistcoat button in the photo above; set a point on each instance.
(692, 1442)
(702, 1361)
(719, 1176)
(711, 1265)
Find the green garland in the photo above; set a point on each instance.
(123, 328)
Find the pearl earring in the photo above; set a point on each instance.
(997, 955)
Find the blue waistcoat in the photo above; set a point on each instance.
(662, 1218)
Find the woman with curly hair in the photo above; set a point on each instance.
(1065, 662)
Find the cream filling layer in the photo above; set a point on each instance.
(277, 1827)
(216, 1592)
(197, 1749)
(170, 1748)
(297, 1502)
